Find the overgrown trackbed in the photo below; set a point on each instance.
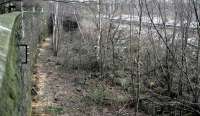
(59, 93)
(56, 94)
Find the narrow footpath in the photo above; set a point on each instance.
(55, 94)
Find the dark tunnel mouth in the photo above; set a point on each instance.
(68, 24)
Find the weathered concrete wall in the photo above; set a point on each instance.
(10, 90)
(15, 77)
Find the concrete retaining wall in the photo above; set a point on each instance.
(15, 77)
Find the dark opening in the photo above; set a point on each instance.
(50, 24)
(69, 25)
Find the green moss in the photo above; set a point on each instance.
(13, 97)
(10, 90)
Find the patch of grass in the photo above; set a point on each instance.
(188, 114)
(123, 82)
(55, 110)
(98, 95)
(121, 99)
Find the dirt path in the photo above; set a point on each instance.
(53, 87)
